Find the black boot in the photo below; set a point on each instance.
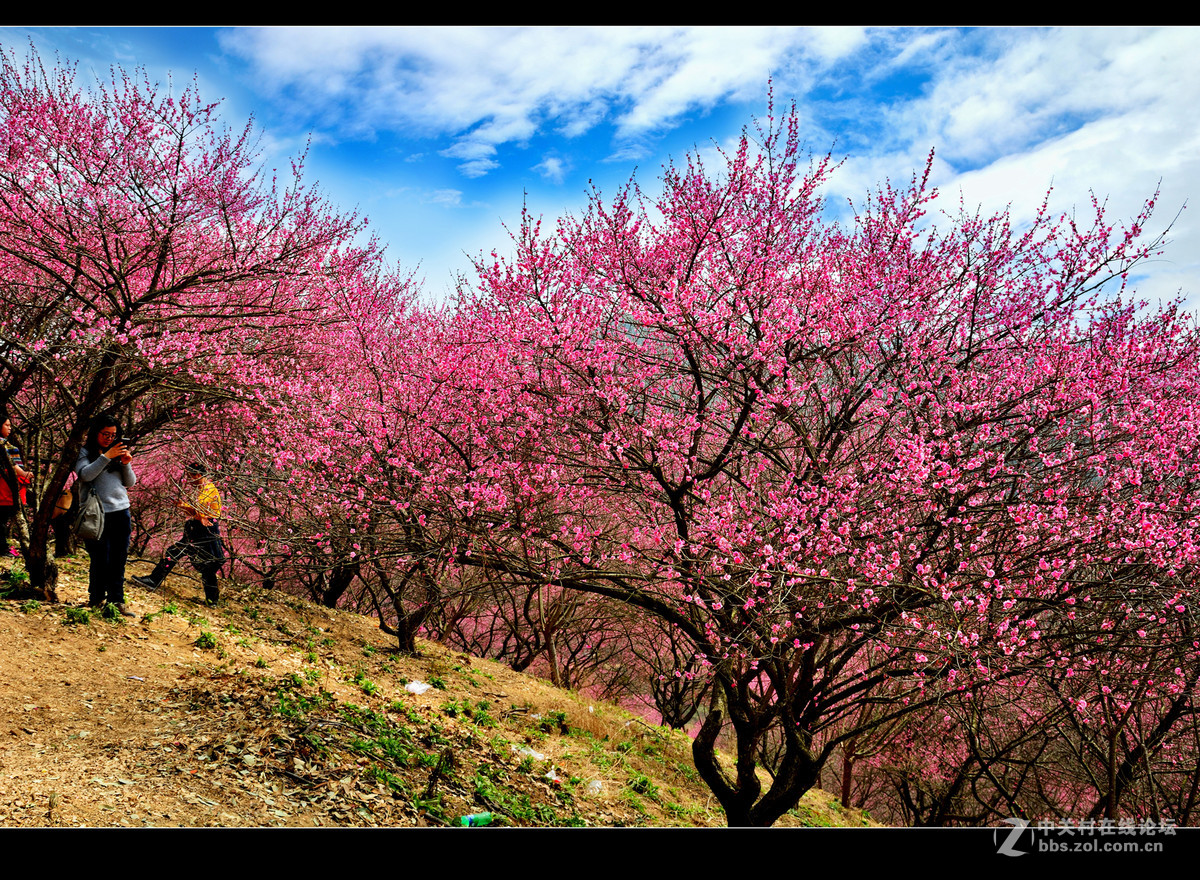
(153, 580)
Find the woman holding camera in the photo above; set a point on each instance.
(104, 467)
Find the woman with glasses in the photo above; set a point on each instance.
(104, 467)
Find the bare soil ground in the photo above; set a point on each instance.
(271, 711)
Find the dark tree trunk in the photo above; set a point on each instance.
(339, 581)
(739, 797)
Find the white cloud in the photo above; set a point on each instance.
(478, 157)
(491, 86)
(1019, 88)
(450, 198)
(477, 167)
(1013, 111)
(552, 168)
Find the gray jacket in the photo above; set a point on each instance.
(108, 478)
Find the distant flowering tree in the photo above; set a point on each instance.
(1110, 733)
(1129, 710)
(146, 266)
(332, 474)
(870, 464)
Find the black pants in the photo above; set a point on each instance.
(106, 576)
(63, 525)
(202, 544)
(7, 512)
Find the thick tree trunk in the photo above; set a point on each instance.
(847, 773)
(339, 581)
(739, 797)
(405, 632)
(43, 571)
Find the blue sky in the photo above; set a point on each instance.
(438, 134)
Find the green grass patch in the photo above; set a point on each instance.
(12, 582)
(363, 683)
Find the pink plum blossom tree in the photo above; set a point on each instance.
(851, 464)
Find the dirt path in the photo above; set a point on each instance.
(97, 720)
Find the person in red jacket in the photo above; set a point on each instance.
(13, 480)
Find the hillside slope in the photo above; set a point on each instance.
(272, 711)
